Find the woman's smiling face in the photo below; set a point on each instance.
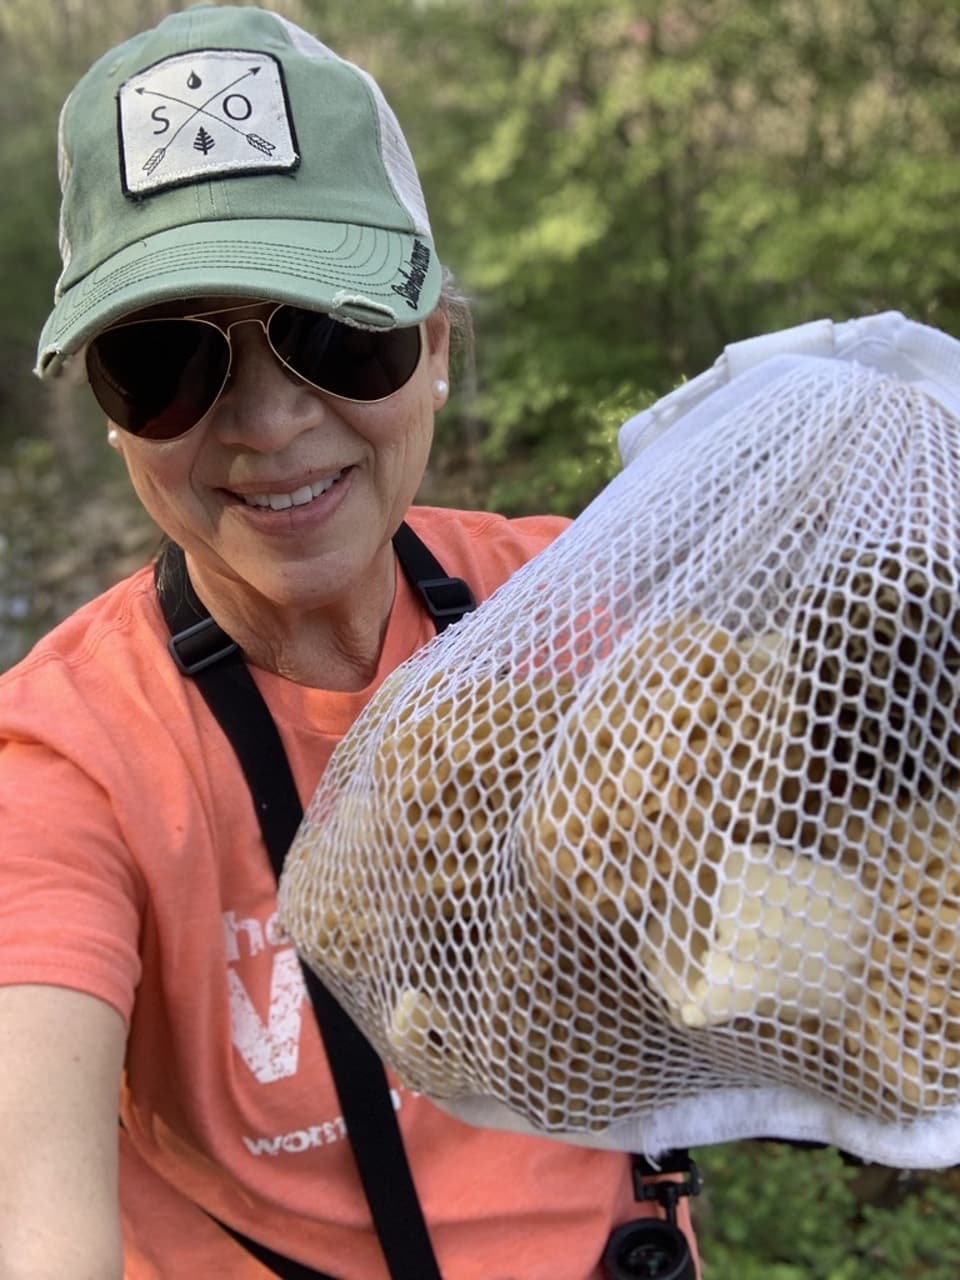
(282, 490)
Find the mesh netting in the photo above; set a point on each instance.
(660, 847)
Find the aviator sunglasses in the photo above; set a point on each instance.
(158, 378)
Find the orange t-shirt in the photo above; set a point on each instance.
(133, 870)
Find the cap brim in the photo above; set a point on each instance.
(366, 276)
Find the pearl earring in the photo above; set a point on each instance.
(113, 438)
(440, 388)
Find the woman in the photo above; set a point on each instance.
(250, 282)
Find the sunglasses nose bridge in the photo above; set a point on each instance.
(282, 363)
(227, 331)
(233, 324)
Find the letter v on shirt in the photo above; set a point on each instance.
(270, 1048)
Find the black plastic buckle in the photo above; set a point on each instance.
(666, 1190)
(200, 646)
(446, 597)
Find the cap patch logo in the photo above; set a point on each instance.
(202, 115)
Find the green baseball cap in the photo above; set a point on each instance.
(229, 152)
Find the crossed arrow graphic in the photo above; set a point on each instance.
(254, 139)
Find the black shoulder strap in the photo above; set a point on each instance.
(202, 650)
(446, 599)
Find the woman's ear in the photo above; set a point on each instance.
(437, 337)
(437, 332)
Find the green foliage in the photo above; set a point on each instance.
(66, 532)
(29, 482)
(772, 1212)
(626, 187)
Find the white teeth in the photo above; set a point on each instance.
(323, 485)
(281, 501)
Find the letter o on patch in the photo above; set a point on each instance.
(244, 112)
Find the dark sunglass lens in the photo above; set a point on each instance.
(157, 378)
(358, 364)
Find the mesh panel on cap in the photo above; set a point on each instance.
(674, 816)
(397, 159)
(64, 168)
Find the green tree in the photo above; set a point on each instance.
(626, 187)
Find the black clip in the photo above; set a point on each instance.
(446, 597)
(666, 1190)
(203, 644)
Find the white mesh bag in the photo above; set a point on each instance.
(661, 846)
